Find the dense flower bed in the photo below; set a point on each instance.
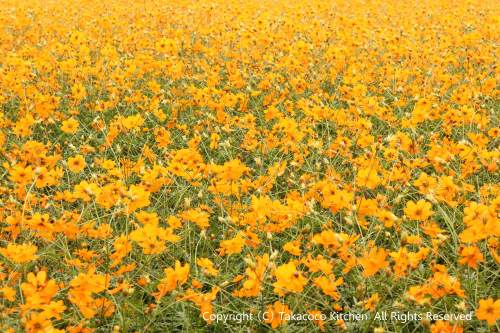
(241, 165)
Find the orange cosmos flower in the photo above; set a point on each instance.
(78, 92)
(489, 310)
(255, 274)
(70, 126)
(442, 326)
(419, 211)
(174, 277)
(232, 246)
(8, 293)
(276, 314)
(471, 256)
(76, 164)
(196, 216)
(39, 289)
(373, 261)
(329, 285)
(288, 279)
(371, 303)
(293, 247)
(203, 301)
(20, 253)
(207, 266)
(368, 177)
(151, 238)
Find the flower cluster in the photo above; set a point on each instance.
(162, 162)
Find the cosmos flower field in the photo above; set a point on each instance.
(249, 166)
